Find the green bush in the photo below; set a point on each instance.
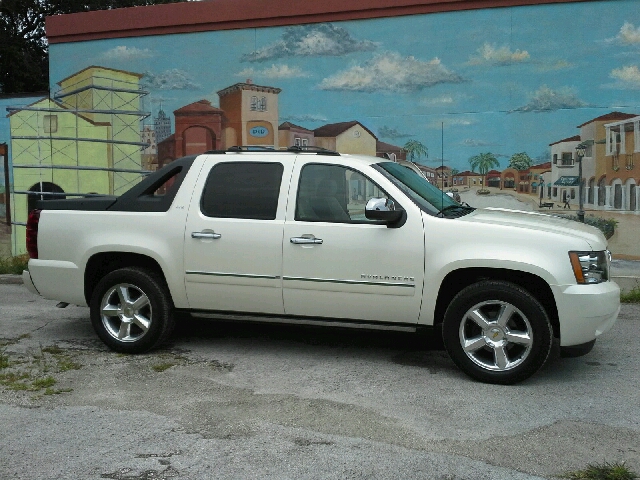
(632, 296)
(13, 265)
(606, 225)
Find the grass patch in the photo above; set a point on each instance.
(45, 382)
(13, 265)
(36, 372)
(605, 471)
(4, 361)
(632, 296)
(161, 367)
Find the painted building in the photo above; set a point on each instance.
(161, 125)
(622, 153)
(564, 178)
(198, 129)
(86, 139)
(392, 152)
(250, 115)
(292, 135)
(600, 175)
(346, 137)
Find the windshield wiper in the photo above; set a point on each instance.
(454, 211)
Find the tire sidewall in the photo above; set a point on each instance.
(148, 283)
(516, 296)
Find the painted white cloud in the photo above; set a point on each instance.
(160, 99)
(392, 73)
(173, 79)
(323, 39)
(489, 54)
(441, 100)
(628, 35)
(547, 100)
(274, 71)
(393, 133)
(124, 53)
(555, 65)
(448, 122)
(470, 142)
(305, 118)
(627, 77)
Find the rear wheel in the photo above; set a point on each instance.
(131, 310)
(497, 332)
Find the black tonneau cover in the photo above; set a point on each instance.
(141, 197)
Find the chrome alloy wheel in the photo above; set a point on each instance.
(496, 335)
(126, 312)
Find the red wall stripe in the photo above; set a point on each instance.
(234, 14)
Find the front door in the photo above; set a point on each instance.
(336, 263)
(233, 237)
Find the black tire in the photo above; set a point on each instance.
(131, 310)
(505, 329)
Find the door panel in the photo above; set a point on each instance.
(361, 270)
(235, 264)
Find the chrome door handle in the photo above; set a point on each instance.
(306, 240)
(210, 235)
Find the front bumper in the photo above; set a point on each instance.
(586, 311)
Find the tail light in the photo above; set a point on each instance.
(32, 233)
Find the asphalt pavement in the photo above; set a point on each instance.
(231, 401)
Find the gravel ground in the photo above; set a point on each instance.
(231, 401)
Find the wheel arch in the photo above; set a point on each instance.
(103, 263)
(456, 280)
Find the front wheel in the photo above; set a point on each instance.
(496, 332)
(131, 310)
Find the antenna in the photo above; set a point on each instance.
(442, 161)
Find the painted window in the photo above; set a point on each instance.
(50, 123)
(258, 104)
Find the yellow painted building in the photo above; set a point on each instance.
(346, 137)
(77, 143)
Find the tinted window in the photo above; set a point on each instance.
(242, 190)
(331, 193)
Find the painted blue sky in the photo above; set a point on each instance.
(502, 80)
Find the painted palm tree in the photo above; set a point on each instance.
(483, 162)
(415, 150)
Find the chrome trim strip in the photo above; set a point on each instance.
(238, 275)
(350, 282)
(367, 325)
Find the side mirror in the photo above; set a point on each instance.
(383, 209)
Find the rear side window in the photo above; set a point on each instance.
(242, 190)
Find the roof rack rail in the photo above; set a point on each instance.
(242, 148)
(312, 149)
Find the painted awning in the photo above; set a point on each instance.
(567, 182)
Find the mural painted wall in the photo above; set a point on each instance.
(501, 81)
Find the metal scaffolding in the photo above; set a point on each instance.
(107, 120)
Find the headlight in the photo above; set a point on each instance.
(590, 267)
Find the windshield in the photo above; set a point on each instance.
(427, 196)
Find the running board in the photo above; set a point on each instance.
(314, 321)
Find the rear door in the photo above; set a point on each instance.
(338, 264)
(233, 236)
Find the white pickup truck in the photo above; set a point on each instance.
(317, 237)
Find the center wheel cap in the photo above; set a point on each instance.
(495, 334)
